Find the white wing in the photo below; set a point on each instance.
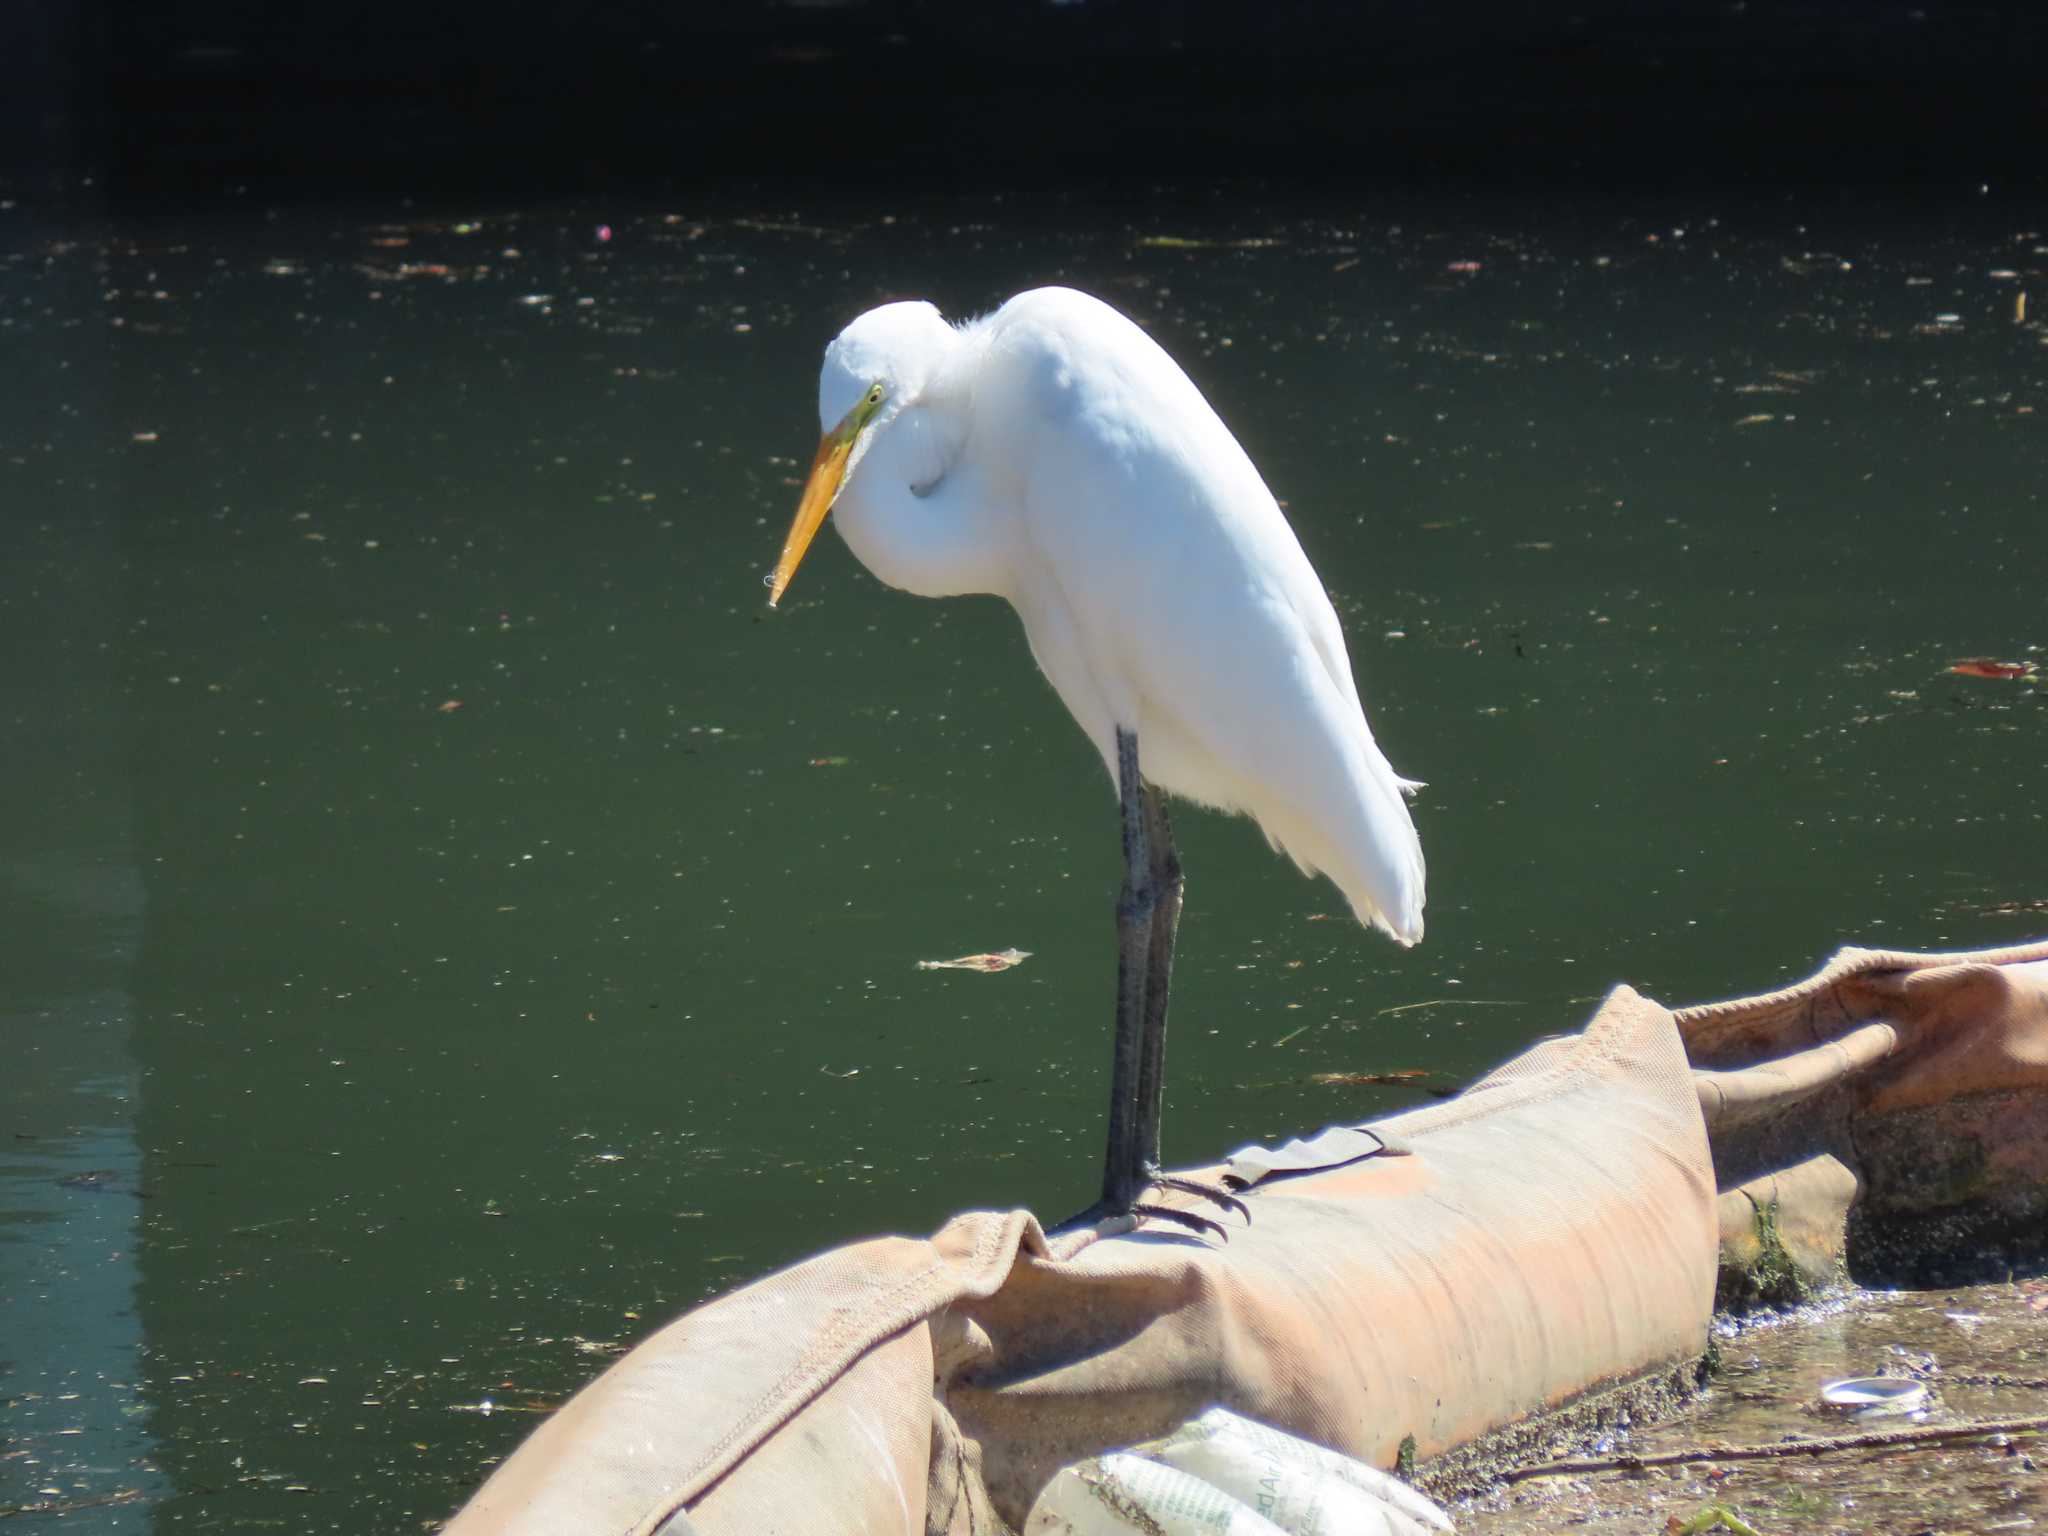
(1163, 590)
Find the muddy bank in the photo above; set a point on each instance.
(1981, 1351)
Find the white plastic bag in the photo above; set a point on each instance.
(1304, 1488)
(1224, 1475)
(1125, 1495)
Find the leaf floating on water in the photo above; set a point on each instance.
(1757, 420)
(1984, 666)
(447, 706)
(1001, 960)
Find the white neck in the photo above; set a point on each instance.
(912, 511)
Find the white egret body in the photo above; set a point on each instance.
(1053, 454)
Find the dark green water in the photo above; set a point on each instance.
(450, 925)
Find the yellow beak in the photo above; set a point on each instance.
(828, 469)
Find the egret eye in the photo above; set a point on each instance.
(875, 395)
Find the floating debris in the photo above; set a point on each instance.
(1455, 1002)
(1191, 243)
(768, 226)
(2018, 909)
(1370, 1079)
(2003, 671)
(488, 1407)
(1001, 960)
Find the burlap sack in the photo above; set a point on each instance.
(1551, 1230)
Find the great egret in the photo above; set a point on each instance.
(1053, 454)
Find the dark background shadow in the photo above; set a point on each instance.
(203, 99)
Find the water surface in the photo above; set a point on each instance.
(466, 927)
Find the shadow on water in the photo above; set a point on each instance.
(73, 1185)
(532, 919)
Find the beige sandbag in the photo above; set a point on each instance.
(1550, 1232)
(1888, 1113)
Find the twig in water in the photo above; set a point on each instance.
(1445, 1002)
(1887, 1439)
(1988, 1379)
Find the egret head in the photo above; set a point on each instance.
(872, 369)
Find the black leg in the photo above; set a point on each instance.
(1162, 869)
(1147, 914)
(1122, 1173)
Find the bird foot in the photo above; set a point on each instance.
(1151, 1178)
(1222, 1197)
